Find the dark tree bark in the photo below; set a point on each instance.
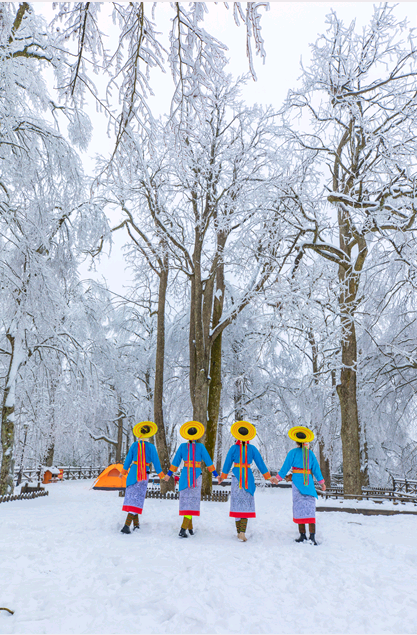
(7, 417)
(215, 389)
(323, 458)
(120, 430)
(160, 437)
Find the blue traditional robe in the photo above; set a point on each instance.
(192, 454)
(252, 454)
(295, 460)
(151, 456)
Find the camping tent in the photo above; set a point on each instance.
(109, 478)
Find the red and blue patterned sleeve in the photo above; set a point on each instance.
(287, 465)
(129, 458)
(155, 460)
(260, 464)
(315, 468)
(228, 462)
(176, 461)
(207, 460)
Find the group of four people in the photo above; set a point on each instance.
(301, 461)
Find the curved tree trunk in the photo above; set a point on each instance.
(7, 416)
(349, 277)
(323, 458)
(119, 446)
(352, 485)
(160, 437)
(215, 392)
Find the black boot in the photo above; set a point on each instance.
(136, 527)
(301, 538)
(313, 539)
(125, 529)
(191, 531)
(183, 533)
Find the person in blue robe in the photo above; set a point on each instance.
(304, 465)
(141, 455)
(192, 454)
(241, 456)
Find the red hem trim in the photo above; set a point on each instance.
(189, 512)
(242, 514)
(304, 520)
(131, 508)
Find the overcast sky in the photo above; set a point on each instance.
(288, 29)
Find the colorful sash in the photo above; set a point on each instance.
(306, 464)
(141, 470)
(243, 464)
(189, 464)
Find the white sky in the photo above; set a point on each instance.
(288, 29)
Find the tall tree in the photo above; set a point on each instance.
(359, 99)
(41, 186)
(204, 193)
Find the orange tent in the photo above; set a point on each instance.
(109, 478)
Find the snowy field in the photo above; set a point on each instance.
(66, 568)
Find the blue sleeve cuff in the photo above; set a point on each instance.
(215, 473)
(169, 473)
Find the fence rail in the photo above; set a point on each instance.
(69, 473)
(401, 489)
(217, 497)
(378, 494)
(405, 485)
(24, 496)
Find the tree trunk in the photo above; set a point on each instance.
(323, 459)
(364, 457)
(49, 455)
(219, 451)
(324, 463)
(50, 450)
(215, 392)
(160, 437)
(215, 388)
(349, 277)
(7, 417)
(119, 446)
(22, 458)
(349, 413)
(149, 393)
(238, 399)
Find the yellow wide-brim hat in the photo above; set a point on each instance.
(187, 430)
(301, 434)
(243, 430)
(149, 429)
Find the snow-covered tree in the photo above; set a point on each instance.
(357, 99)
(128, 60)
(204, 197)
(43, 221)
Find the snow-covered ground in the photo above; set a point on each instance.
(66, 568)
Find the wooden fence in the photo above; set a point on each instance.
(378, 494)
(217, 497)
(69, 473)
(24, 496)
(405, 486)
(402, 490)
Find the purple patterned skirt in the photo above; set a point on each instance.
(135, 497)
(303, 507)
(190, 499)
(242, 503)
